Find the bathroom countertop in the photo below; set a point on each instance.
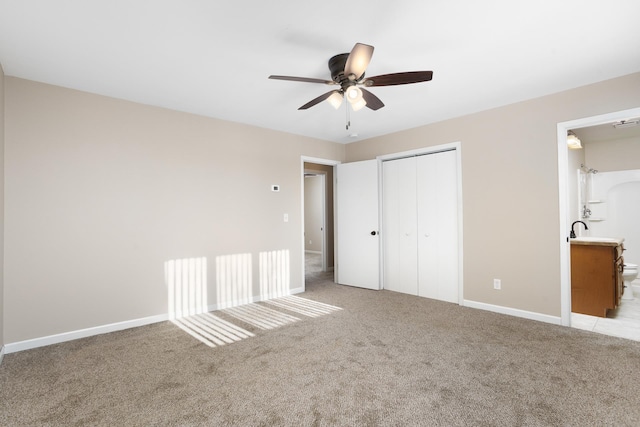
(597, 241)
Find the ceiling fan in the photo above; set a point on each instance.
(347, 71)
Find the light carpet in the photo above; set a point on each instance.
(334, 355)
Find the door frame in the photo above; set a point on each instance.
(452, 146)
(319, 161)
(563, 198)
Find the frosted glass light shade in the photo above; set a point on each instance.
(357, 105)
(354, 96)
(353, 93)
(335, 100)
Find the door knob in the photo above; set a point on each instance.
(373, 233)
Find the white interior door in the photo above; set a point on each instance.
(400, 226)
(357, 225)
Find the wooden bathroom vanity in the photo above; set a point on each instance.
(596, 275)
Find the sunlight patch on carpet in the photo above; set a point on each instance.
(211, 330)
(303, 306)
(261, 317)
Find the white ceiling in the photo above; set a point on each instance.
(213, 57)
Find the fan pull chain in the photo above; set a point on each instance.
(346, 106)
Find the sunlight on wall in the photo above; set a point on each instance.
(186, 281)
(303, 306)
(275, 274)
(233, 280)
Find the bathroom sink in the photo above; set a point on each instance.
(596, 240)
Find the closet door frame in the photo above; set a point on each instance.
(454, 146)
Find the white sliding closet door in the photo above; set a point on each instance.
(420, 218)
(437, 201)
(400, 219)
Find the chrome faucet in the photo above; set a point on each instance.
(573, 233)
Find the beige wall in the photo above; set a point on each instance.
(510, 188)
(101, 193)
(614, 155)
(313, 198)
(1, 207)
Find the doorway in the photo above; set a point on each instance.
(315, 221)
(318, 218)
(567, 212)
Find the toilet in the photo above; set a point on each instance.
(629, 274)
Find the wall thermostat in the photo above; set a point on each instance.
(275, 187)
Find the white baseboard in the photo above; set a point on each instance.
(236, 303)
(1, 354)
(297, 290)
(113, 327)
(82, 333)
(556, 320)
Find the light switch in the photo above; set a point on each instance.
(286, 217)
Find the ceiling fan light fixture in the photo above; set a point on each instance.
(353, 93)
(348, 73)
(335, 99)
(358, 105)
(355, 98)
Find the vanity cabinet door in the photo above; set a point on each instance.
(594, 276)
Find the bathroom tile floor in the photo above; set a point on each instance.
(624, 322)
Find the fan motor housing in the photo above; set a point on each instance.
(336, 66)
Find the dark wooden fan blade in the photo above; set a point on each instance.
(358, 60)
(373, 101)
(302, 79)
(399, 78)
(317, 100)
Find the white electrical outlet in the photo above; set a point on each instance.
(497, 284)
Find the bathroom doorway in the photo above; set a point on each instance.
(602, 151)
